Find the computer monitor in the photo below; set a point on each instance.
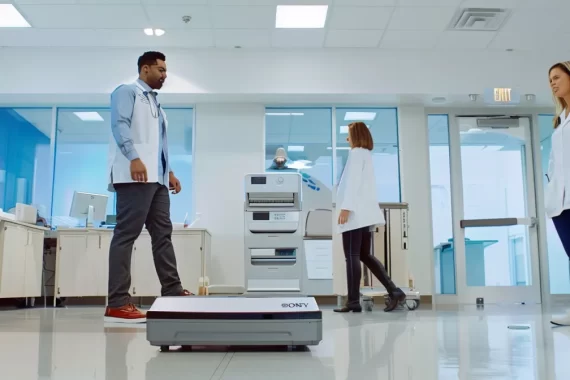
(89, 207)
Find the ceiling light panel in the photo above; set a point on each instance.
(89, 116)
(11, 18)
(301, 16)
(359, 116)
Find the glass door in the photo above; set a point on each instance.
(495, 244)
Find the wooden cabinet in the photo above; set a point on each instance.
(21, 259)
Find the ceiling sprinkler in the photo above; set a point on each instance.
(186, 19)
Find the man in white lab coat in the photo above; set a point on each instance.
(140, 174)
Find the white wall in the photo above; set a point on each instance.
(209, 74)
(229, 144)
(416, 191)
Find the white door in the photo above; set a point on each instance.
(75, 275)
(495, 244)
(34, 263)
(188, 251)
(145, 281)
(13, 261)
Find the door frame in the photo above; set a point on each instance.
(457, 204)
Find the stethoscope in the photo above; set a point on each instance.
(153, 111)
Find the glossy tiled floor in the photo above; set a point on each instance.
(74, 344)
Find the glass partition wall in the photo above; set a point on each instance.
(46, 154)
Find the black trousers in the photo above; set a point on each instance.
(140, 204)
(562, 224)
(357, 248)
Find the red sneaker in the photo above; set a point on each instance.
(125, 314)
(186, 293)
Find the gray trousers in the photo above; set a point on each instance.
(139, 204)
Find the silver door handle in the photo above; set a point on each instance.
(498, 222)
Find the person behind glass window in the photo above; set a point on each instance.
(359, 213)
(558, 188)
(281, 162)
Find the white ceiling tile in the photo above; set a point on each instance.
(359, 17)
(508, 4)
(106, 2)
(105, 38)
(528, 40)
(541, 20)
(407, 39)
(431, 3)
(242, 2)
(372, 3)
(170, 16)
(465, 40)
(246, 38)
(236, 17)
(303, 2)
(85, 16)
(176, 2)
(303, 38)
(353, 38)
(44, 2)
(543, 4)
(421, 18)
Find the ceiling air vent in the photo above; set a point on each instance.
(479, 19)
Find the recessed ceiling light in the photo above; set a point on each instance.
(11, 18)
(360, 116)
(301, 16)
(296, 148)
(89, 116)
(154, 32)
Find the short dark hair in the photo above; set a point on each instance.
(149, 58)
(360, 135)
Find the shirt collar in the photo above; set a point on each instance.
(145, 86)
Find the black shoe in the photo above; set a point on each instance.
(395, 299)
(346, 309)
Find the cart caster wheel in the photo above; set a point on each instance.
(164, 348)
(387, 300)
(412, 304)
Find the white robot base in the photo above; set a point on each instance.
(234, 321)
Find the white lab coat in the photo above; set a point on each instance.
(559, 170)
(145, 132)
(357, 192)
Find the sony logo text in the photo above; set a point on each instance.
(294, 305)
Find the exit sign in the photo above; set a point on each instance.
(502, 95)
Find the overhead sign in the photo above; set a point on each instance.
(501, 95)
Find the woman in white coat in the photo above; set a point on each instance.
(558, 189)
(359, 212)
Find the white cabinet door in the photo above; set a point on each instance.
(145, 281)
(13, 261)
(34, 263)
(102, 262)
(76, 276)
(187, 248)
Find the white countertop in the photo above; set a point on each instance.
(28, 225)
